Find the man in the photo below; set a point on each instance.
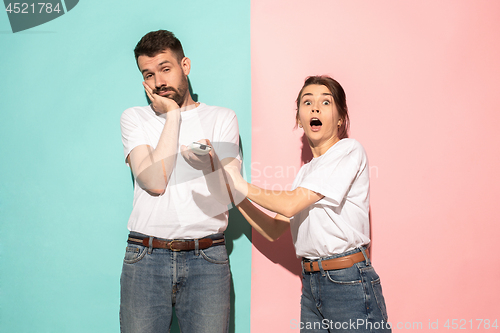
(176, 254)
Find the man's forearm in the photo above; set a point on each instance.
(155, 165)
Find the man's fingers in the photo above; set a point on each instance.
(149, 92)
(149, 96)
(147, 88)
(205, 142)
(189, 155)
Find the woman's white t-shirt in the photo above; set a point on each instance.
(339, 222)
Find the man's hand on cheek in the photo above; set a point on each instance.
(159, 103)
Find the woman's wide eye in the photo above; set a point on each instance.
(307, 103)
(326, 103)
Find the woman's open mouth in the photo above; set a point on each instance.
(315, 124)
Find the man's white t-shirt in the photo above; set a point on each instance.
(339, 222)
(187, 209)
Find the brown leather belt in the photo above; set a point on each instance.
(335, 263)
(177, 244)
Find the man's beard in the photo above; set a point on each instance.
(178, 95)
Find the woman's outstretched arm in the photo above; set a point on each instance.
(286, 203)
(269, 227)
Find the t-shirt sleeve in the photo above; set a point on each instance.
(228, 144)
(335, 173)
(133, 134)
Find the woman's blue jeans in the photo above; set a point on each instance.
(197, 283)
(343, 300)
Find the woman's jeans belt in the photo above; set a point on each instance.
(335, 263)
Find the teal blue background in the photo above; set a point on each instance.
(65, 191)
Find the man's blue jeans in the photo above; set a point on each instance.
(197, 283)
(343, 300)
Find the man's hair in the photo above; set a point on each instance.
(338, 96)
(156, 42)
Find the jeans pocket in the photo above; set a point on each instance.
(134, 253)
(346, 276)
(215, 255)
(377, 291)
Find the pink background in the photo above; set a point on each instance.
(422, 80)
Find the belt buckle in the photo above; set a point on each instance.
(308, 265)
(172, 242)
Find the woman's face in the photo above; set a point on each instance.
(318, 115)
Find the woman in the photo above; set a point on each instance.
(327, 212)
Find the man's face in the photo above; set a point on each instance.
(165, 75)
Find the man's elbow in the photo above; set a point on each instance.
(155, 192)
(152, 189)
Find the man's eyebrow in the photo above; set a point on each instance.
(163, 62)
(159, 65)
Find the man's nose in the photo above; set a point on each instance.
(160, 81)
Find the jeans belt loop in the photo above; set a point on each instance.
(320, 266)
(362, 248)
(150, 250)
(196, 247)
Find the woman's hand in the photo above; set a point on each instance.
(236, 180)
